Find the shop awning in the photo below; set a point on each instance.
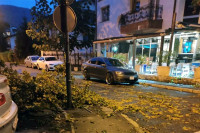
(117, 39)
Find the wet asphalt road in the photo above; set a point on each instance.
(151, 100)
(101, 85)
(21, 68)
(96, 83)
(136, 93)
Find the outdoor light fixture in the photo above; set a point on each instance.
(115, 49)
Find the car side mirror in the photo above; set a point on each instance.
(103, 65)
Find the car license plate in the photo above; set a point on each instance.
(131, 78)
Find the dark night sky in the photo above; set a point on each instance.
(19, 3)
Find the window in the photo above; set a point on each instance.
(187, 47)
(93, 61)
(105, 13)
(113, 62)
(51, 59)
(134, 5)
(85, 38)
(100, 62)
(41, 58)
(189, 9)
(34, 58)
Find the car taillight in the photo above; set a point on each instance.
(5, 81)
(2, 99)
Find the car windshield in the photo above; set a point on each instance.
(51, 58)
(113, 62)
(34, 58)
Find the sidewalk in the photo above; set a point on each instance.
(170, 86)
(100, 120)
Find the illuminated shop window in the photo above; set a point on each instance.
(187, 47)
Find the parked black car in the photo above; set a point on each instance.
(109, 69)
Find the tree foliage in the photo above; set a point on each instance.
(3, 43)
(42, 28)
(85, 24)
(24, 43)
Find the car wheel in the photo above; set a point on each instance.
(86, 75)
(131, 83)
(26, 65)
(46, 67)
(109, 79)
(38, 67)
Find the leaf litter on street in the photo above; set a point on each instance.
(154, 111)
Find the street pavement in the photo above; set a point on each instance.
(154, 109)
(185, 105)
(20, 68)
(33, 72)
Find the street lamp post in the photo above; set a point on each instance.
(64, 29)
(172, 32)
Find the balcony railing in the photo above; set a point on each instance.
(148, 12)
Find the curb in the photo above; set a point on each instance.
(132, 122)
(67, 118)
(172, 88)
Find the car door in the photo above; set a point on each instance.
(100, 69)
(27, 60)
(43, 63)
(40, 62)
(91, 67)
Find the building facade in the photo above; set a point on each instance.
(10, 35)
(143, 27)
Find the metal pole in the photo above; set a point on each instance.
(142, 47)
(150, 49)
(66, 46)
(172, 34)
(161, 50)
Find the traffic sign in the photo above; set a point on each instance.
(69, 2)
(71, 18)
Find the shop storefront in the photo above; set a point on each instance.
(184, 58)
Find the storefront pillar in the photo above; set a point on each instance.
(98, 49)
(142, 47)
(161, 49)
(196, 48)
(94, 50)
(134, 53)
(105, 49)
(150, 49)
(173, 43)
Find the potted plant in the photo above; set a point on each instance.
(164, 70)
(141, 60)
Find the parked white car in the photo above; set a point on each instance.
(31, 60)
(8, 109)
(48, 63)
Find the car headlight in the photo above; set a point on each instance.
(119, 72)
